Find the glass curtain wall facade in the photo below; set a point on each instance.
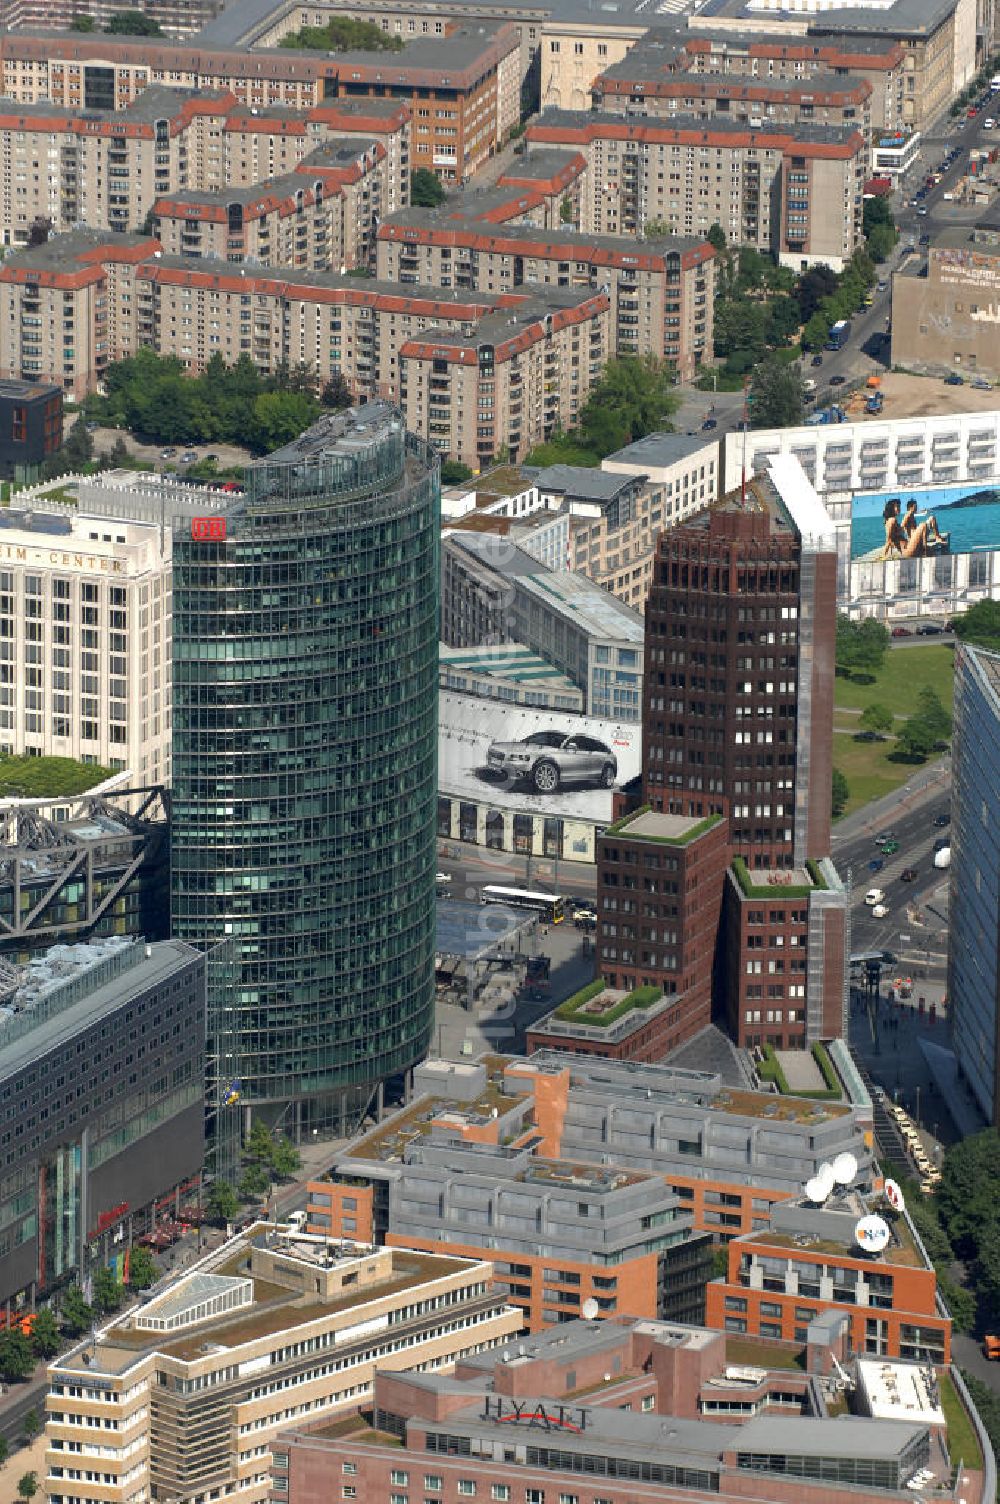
(974, 899)
(305, 745)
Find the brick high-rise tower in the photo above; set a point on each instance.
(738, 721)
(740, 635)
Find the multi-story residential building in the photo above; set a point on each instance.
(793, 190)
(109, 167)
(31, 427)
(462, 85)
(647, 82)
(320, 217)
(677, 1411)
(185, 1395)
(661, 291)
(85, 660)
(285, 776)
(102, 1063)
(808, 1261)
(175, 17)
(83, 868)
(523, 374)
(475, 371)
(725, 1153)
(830, 65)
(561, 1234)
(492, 591)
(944, 311)
(63, 307)
(974, 908)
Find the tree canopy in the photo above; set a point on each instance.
(776, 395)
(980, 625)
(132, 23)
(155, 397)
(861, 645)
(343, 34)
(426, 188)
(634, 396)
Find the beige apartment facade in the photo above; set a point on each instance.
(108, 168)
(182, 1398)
(661, 291)
(525, 373)
(794, 191)
(65, 309)
(85, 636)
(463, 87)
(321, 217)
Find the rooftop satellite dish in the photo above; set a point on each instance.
(894, 1195)
(817, 1189)
(844, 1168)
(872, 1234)
(826, 1175)
(589, 1309)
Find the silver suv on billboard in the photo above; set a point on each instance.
(549, 759)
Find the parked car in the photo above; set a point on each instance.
(929, 629)
(942, 842)
(549, 759)
(980, 384)
(443, 877)
(709, 424)
(909, 875)
(817, 360)
(954, 379)
(902, 631)
(991, 1347)
(189, 457)
(941, 821)
(921, 208)
(167, 454)
(837, 380)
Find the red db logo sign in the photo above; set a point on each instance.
(208, 529)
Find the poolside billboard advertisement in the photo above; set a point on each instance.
(968, 515)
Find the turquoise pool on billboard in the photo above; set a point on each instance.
(968, 514)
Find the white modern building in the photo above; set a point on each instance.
(929, 458)
(85, 640)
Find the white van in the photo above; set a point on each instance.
(874, 896)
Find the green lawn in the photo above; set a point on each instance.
(866, 765)
(961, 1437)
(48, 777)
(904, 672)
(867, 768)
(746, 1352)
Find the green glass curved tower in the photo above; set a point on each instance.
(305, 624)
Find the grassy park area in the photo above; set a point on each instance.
(868, 766)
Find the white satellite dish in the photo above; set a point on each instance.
(894, 1195)
(844, 1167)
(826, 1175)
(589, 1309)
(872, 1234)
(817, 1189)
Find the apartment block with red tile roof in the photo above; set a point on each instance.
(463, 87)
(109, 167)
(661, 290)
(320, 217)
(793, 190)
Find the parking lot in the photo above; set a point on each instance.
(225, 455)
